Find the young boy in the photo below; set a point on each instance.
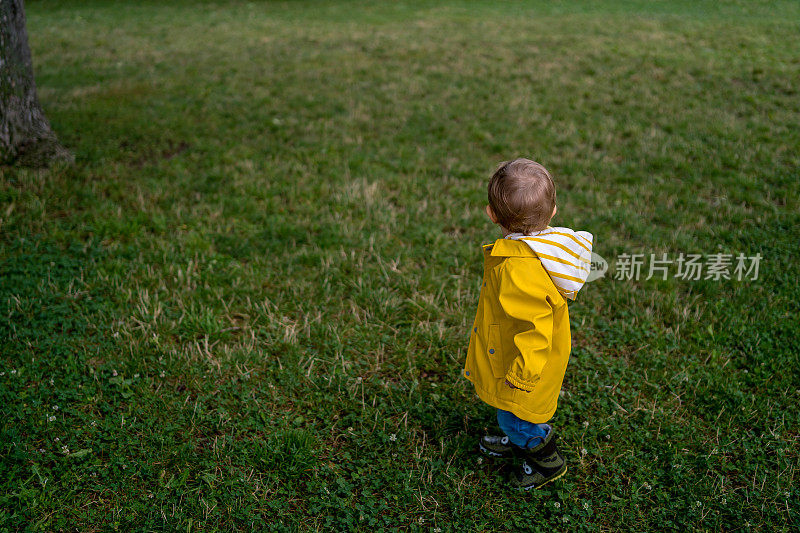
(520, 341)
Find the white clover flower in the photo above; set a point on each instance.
(724, 501)
(51, 418)
(57, 439)
(64, 449)
(608, 437)
(136, 375)
(647, 486)
(2, 374)
(583, 451)
(150, 495)
(162, 374)
(359, 379)
(480, 460)
(586, 505)
(437, 529)
(52, 382)
(13, 372)
(392, 437)
(115, 334)
(55, 408)
(114, 373)
(557, 505)
(586, 423)
(94, 423)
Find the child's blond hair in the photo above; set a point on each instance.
(522, 196)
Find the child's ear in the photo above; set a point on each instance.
(490, 214)
(555, 210)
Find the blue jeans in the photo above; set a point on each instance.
(521, 432)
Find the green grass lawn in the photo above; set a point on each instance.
(247, 304)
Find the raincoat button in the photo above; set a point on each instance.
(491, 350)
(467, 372)
(475, 330)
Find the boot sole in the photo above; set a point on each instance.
(546, 482)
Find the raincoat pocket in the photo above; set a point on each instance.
(494, 351)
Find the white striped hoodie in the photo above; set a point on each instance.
(566, 256)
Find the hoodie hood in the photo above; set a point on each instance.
(566, 256)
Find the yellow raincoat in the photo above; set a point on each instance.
(521, 331)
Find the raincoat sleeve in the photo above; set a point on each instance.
(523, 299)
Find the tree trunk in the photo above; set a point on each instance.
(25, 134)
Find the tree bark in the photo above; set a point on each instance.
(25, 135)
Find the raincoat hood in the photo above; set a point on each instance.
(565, 254)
